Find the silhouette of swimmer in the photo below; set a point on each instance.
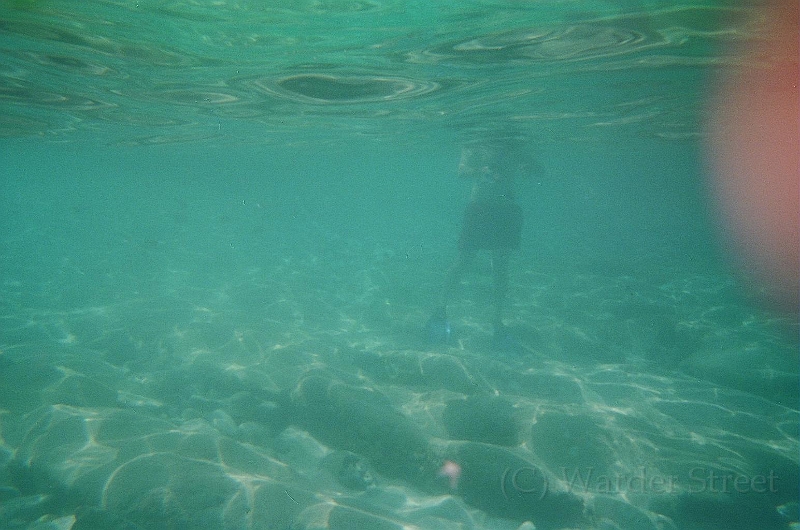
(492, 222)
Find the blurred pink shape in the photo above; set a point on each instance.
(755, 155)
(452, 471)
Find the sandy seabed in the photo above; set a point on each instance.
(303, 394)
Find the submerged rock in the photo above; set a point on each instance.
(363, 421)
(489, 419)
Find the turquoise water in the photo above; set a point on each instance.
(225, 225)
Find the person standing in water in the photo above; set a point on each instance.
(492, 222)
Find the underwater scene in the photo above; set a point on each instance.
(399, 265)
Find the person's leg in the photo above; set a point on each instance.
(453, 279)
(438, 326)
(500, 260)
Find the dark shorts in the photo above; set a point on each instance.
(491, 225)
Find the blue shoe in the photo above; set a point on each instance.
(505, 342)
(438, 329)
